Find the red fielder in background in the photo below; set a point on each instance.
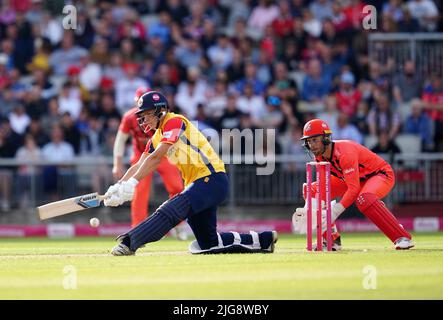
(357, 175)
(169, 173)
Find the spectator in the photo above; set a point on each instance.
(59, 152)
(263, 15)
(132, 28)
(238, 11)
(407, 84)
(221, 54)
(386, 145)
(40, 79)
(188, 53)
(107, 109)
(271, 117)
(190, 93)
(209, 36)
(70, 131)
(231, 117)
(283, 24)
(5, 78)
(69, 101)
(7, 102)
(19, 120)
(126, 86)
(330, 113)
(321, 9)
(419, 123)
(217, 101)
(348, 97)
(91, 141)
(68, 55)
(90, 74)
(236, 68)
(286, 86)
(251, 103)
(408, 23)
(340, 20)
(29, 152)
(250, 76)
(311, 25)
(426, 12)
(294, 148)
(10, 142)
(35, 130)
(346, 130)
(382, 118)
(84, 33)
(315, 85)
(393, 8)
(359, 120)
(433, 99)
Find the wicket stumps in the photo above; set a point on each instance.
(323, 175)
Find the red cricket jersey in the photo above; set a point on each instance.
(353, 163)
(129, 125)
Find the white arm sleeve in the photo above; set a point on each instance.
(119, 144)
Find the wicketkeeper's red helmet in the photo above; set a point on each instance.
(315, 127)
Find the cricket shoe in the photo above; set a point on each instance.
(336, 245)
(121, 249)
(403, 244)
(271, 247)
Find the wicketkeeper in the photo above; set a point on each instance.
(206, 186)
(357, 176)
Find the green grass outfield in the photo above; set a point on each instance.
(38, 268)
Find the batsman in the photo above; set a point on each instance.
(205, 180)
(357, 176)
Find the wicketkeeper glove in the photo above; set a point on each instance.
(299, 218)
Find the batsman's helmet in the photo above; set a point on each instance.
(152, 100)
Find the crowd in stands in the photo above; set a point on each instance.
(225, 63)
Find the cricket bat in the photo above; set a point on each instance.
(62, 207)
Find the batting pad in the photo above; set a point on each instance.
(235, 247)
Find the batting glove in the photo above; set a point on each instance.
(113, 201)
(127, 189)
(112, 190)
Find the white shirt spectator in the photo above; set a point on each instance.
(58, 152)
(423, 10)
(71, 102)
(188, 101)
(124, 92)
(216, 106)
(348, 132)
(221, 57)
(254, 106)
(19, 121)
(321, 9)
(60, 60)
(262, 16)
(52, 29)
(90, 76)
